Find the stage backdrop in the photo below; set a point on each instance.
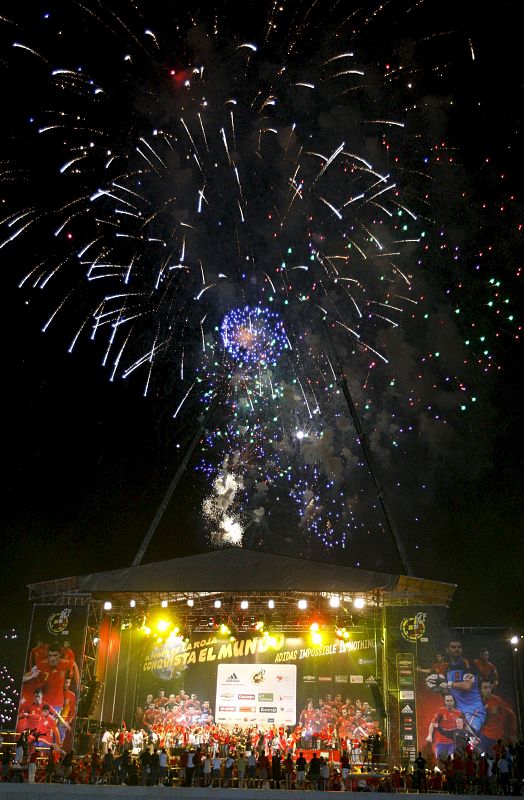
(447, 687)
(253, 680)
(51, 680)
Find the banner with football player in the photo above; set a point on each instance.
(463, 693)
(51, 680)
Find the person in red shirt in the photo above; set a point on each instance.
(438, 667)
(47, 731)
(52, 677)
(152, 716)
(486, 670)
(344, 727)
(161, 701)
(443, 728)
(29, 713)
(500, 722)
(67, 715)
(345, 770)
(38, 653)
(66, 654)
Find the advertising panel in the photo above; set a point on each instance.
(51, 680)
(252, 694)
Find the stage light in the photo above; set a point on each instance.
(96, 640)
(302, 604)
(316, 637)
(162, 625)
(514, 640)
(132, 603)
(224, 630)
(244, 604)
(334, 601)
(108, 605)
(218, 603)
(359, 602)
(146, 629)
(164, 603)
(174, 638)
(191, 602)
(313, 627)
(271, 604)
(259, 625)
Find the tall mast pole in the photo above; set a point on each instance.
(176, 478)
(361, 436)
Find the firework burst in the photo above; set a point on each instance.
(207, 217)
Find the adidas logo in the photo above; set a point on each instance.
(406, 710)
(232, 678)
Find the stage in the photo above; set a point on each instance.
(240, 650)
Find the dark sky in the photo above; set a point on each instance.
(88, 462)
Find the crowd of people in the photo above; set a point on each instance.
(113, 762)
(181, 719)
(467, 771)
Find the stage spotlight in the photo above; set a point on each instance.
(244, 604)
(191, 602)
(174, 638)
(164, 603)
(316, 637)
(514, 640)
(334, 601)
(313, 627)
(162, 625)
(271, 604)
(96, 640)
(302, 604)
(108, 605)
(359, 602)
(218, 603)
(224, 630)
(132, 603)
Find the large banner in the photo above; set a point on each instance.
(449, 688)
(51, 680)
(326, 690)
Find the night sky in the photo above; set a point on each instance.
(87, 461)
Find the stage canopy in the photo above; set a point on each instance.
(236, 571)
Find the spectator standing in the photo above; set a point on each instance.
(217, 766)
(314, 771)
(206, 770)
(162, 765)
(301, 771)
(276, 769)
(251, 769)
(324, 774)
(503, 773)
(228, 770)
(289, 768)
(241, 770)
